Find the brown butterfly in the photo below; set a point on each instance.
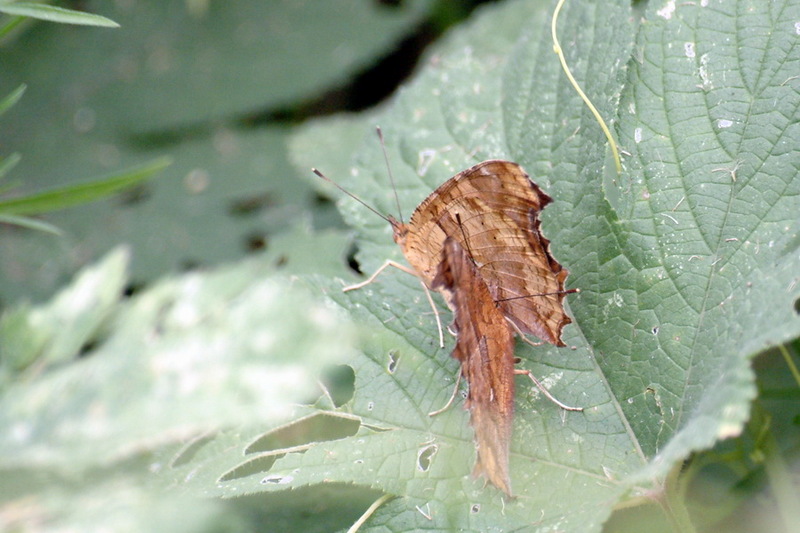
(477, 240)
(492, 210)
(485, 349)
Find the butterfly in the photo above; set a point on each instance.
(492, 210)
(477, 240)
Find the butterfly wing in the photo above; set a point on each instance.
(492, 210)
(485, 348)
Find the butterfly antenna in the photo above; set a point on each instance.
(351, 195)
(391, 176)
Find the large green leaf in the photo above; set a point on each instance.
(687, 269)
(707, 237)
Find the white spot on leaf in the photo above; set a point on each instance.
(667, 11)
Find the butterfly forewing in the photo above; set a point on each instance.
(492, 210)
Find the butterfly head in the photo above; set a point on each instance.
(399, 230)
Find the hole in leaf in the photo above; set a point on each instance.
(89, 346)
(425, 457)
(309, 430)
(352, 262)
(321, 201)
(339, 381)
(475, 509)
(277, 480)
(315, 428)
(132, 287)
(250, 467)
(655, 330)
(394, 358)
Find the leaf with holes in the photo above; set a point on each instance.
(686, 261)
(687, 264)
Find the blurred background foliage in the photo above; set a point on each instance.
(219, 91)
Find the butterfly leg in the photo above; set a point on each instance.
(522, 336)
(452, 397)
(435, 314)
(407, 270)
(545, 391)
(388, 263)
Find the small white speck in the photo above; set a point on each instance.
(424, 160)
(688, 49)
(797, 28)
(616, 300)
(724, 123)
(667, 11)
(637, 135)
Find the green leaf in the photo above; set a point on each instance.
(83, 193)
(707, 235)
(148, 78)
(56, 14)
(96, 379)
(221, 198)
(332, 140)
(687, 264)
(40, 336)
(94, 383)
(687, 269)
